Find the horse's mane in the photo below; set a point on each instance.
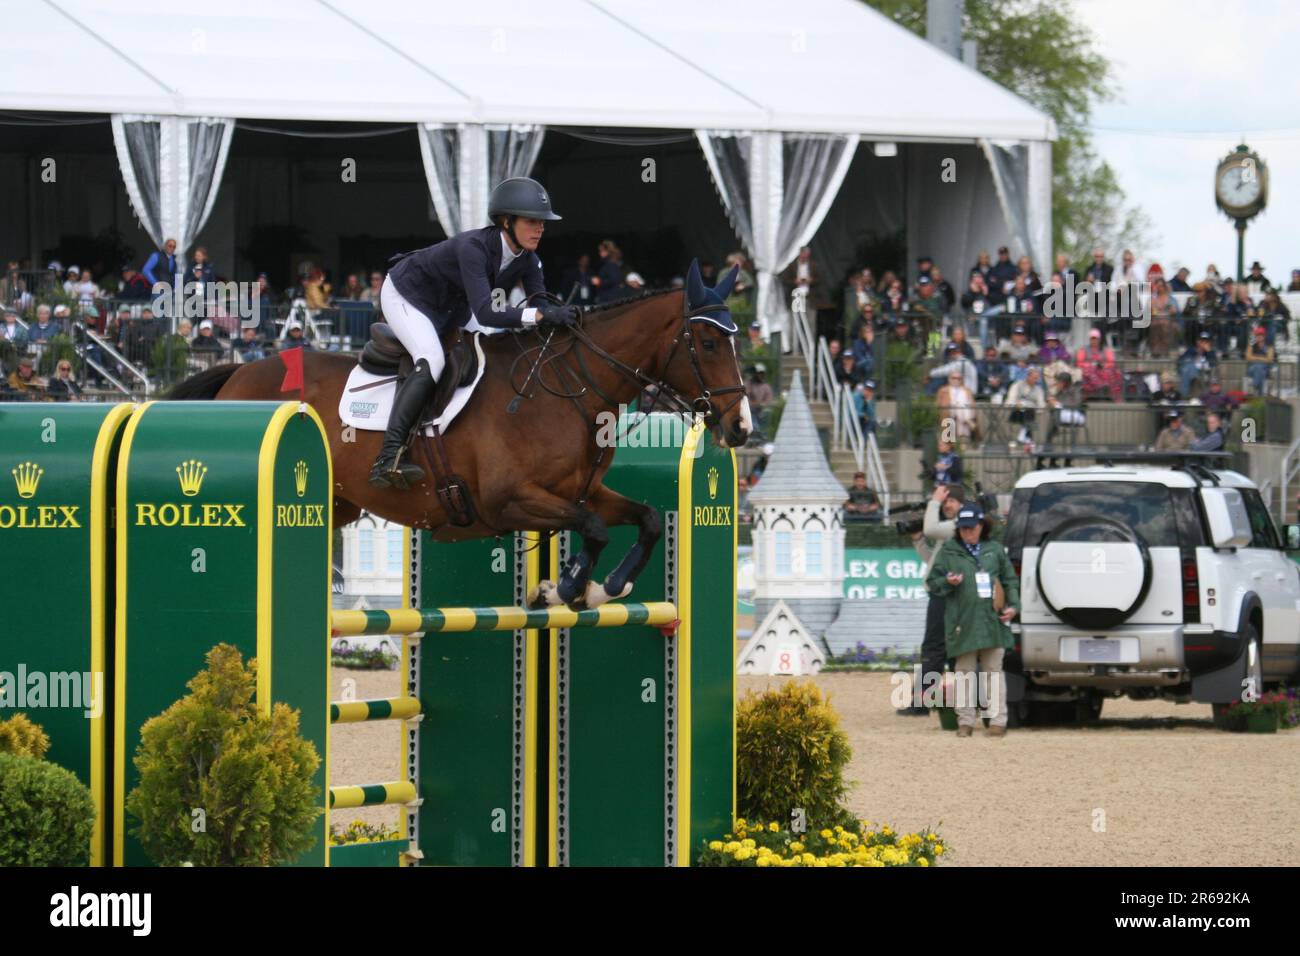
(629, 300)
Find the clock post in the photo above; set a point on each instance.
(1241, 191)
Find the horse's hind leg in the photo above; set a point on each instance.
(539, 510)
(615, 509)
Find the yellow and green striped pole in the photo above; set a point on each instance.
(459, 619)
(374, 794)
(388, 708)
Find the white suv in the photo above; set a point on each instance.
(1151, 575)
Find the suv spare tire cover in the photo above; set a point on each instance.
(1093, 572)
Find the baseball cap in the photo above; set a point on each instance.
(634, 277)
(1173, 413)
(1051, 336)
(1095, 334)
(1205, 335)
(1002, 249)
(1019, 330)
(869, 383)
(1260, 330)
(924, 280)
(760, 367)
(970, 516)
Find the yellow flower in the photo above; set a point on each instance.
(731, 847)
(740, 824)
(809, 858)
(763, 861)
(775, 828)
(922, 862)
(764, 851)
(796, 847)
(886, 831)
(826, 834)
(744, 853)
(820, 863)
(715, 845)
(938, 849)
(748, 843)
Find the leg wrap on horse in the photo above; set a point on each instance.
(575, 577)
(631, 565)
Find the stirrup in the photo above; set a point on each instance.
(395, 473)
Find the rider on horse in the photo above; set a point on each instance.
(467, 276)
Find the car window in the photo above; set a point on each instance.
(1261, 525)
(1191, 532)
(1143, 506)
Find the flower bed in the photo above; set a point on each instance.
(772, 845)
(863, 658)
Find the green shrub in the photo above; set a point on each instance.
(47, 815)
(249, 773)
(170, 357)
(790, 755)
(58, 348)
(22, 738)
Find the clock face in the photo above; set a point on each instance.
(1239, 185)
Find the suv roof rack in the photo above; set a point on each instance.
(1198, 464)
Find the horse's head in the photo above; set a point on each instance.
(703, 367)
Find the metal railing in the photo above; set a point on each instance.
(1288, 472)
(81, 333)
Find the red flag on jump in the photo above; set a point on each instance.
(292, 359)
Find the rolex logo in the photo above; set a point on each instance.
(28, 476)
(300, 478)
(713, 483)
(191, 474)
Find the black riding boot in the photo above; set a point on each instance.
(412, 395)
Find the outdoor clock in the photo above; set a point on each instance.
(1241, 184)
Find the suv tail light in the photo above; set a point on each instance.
(1015, 566)
(1191, 591)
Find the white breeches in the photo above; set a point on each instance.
(413, 328)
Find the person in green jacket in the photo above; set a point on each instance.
(973, 575)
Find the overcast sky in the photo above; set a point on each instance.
(1192, 77)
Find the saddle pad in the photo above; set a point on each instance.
(369, 408)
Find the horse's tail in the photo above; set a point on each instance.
(204, 385)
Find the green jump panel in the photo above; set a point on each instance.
(477, 752)
(224, 537)
(57, 465)
(642, 737)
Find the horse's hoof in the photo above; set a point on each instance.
(597, 595)
(545, 594)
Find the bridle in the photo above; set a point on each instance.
(701, 404)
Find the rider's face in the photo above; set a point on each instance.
(529, 232)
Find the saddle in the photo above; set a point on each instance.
(384, 354)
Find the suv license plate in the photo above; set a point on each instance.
(1099, 650)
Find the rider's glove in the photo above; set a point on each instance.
(559, 315)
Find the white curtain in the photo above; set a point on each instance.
(463, 161)
(172, 167)
(777, 189)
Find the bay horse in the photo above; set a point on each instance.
(527, 442)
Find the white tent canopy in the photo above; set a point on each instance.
(806, 82)
(813, 66)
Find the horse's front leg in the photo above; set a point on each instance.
(615, 509)
(539, 510)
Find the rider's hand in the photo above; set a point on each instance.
(565, 316)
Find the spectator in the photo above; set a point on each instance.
(868, 316)
(956, 404)
(576, 286)
(1066, 402)
(1275, 314)
(755, 347)
(1162, 336)
(864, 348)
(981, 593)
(947, 465)
(847, 373)
(1018, 347)
(352, 288)
(1294, 285)
(760, 395)
(893, 301)
(86, 290)
(1179, 282)
(1129, 271)
(958, 338)
(71, 279)
(161, 265)
(634, 283)
(24, 378)
(976, 300)
(1214, 438)
(1025, 271)
(293, 337)
(864, 403)
(263, 317)
(1175, 436)
(1216, 400)
(1064, 269)
(1052, 350)
(44, 328)
(1235, 311)
(1198, 362)
(955, 363)
(863, 504)
(803, 274)
(608, 280)
(943, 288)
(1101, 271)
(250, 346)
(316, 291)
(1025, 397)
(63, 386)
(371, 294)
(937, 527)
(1256, 282)
(1021, 301)
(200, 271)
(1260, 359)
(1101, 376)
(1168, 394)
(834, 348)
(744, 276)
(887, 280)
(12, 331)
(134, 287)
(984, 268)
(1002, 276)
(992, 374)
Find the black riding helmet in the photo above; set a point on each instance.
(520, 196)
